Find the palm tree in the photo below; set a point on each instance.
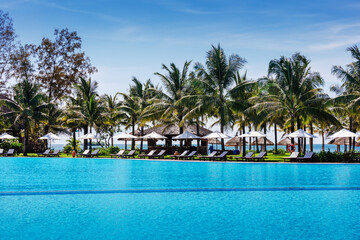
(295, 91)
(112, 115)
(215, 80)
(164, 106)
(80, 102)
(27, 107)
(349, 91)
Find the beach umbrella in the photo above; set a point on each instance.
(216, 135)
(286, 141)
(343, 134)
(155, 136)
(50, 136)
(186, 135)
(7, 136)
(261, 141)
(234, 142)
(300, 134)
(251, 134)
(89, 136)
(125, 137)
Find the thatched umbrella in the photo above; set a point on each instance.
(344, 134)
(286, 141)
(341, 141)
(261, 142)
(235, 142)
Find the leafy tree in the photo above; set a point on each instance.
(27, 107)
(112, 115)
(60, 63)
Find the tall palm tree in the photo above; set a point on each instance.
(29, 105)
(84, 91)
(349, 92)
(294, 91)
(216, 79)
(177, 85)
(112, 114)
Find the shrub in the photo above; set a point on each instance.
(113, 150)
(68, 148)
(279, 151)
(103, 151)
(335, 157)
(8, 144)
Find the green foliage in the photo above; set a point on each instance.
(6, 145)
(69, 147)
(279, 151)
(103, 151)
(113, 150)
(335, 157)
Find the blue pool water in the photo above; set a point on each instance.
(135, 199)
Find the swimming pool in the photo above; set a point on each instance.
(60, 198)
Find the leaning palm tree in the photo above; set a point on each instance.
(348, 98)
(28, 106)
(216, 79)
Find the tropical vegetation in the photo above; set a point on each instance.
(54, 93)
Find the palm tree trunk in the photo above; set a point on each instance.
(133, 133)
(311, 140)
(304, 140)
(265, 137)
(74, 140)
(26, 139)
(142, 140)
(244, 142)
(292, 128)
(222, 140)
(350, 128)
(323, 141)
(276, 143)
(90, 141)
(86, 130)
(257, 144)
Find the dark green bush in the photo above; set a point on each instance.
(335, 157)
(68, 148)
(113, 150)
(279, 151)
(8, 144)
(103, 151)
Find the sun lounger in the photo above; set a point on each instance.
(160, 154)
(222, 156)
(95, 153)
(248, 156)
(292, 157)
(56, 153)
(131, 154)
(85, 153)
(149, 155)
(118, 154)
(181, 155)
(188, 157)
(260, 156)
(10, 152)
(211, 155)
(47, 151)
(308, 156)
(1, 151)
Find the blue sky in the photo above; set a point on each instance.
(134, 38)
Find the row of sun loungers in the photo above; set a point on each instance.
(10, 152)
(48, 153)
(87, 153)
(295, 157)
